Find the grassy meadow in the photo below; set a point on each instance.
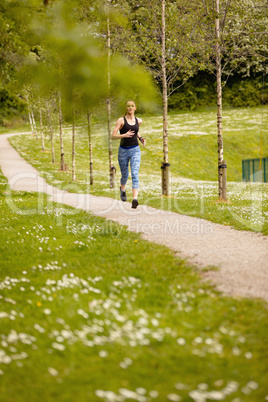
(90, 312)
(193, 159)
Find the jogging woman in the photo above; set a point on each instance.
(129, 150)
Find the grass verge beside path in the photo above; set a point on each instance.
(90, 312)
(21, 127)
(193, 154)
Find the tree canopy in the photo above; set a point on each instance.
(64, 44)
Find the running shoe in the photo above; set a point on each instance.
(123, 195)
(135, 203)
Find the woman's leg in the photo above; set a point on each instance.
(135, 192)
(123, 160)
(135, 161)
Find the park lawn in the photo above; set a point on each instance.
(193, 142)
(15, 127)
(91, 312)
(193, 158)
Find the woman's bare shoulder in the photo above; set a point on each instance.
(120, 121)
(139, 121)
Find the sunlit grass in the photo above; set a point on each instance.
(15, 127)
(91, 312)
(193, 158)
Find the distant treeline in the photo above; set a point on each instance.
(197, 92)
(200, 92)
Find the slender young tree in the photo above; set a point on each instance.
(30, 118)
(73, 148)
(51, 133)
(110, 149)
(90, 147)
(28, 95)
(41, 128)
(33, 122)
(221, 164)
(62, 163)
(165, 164)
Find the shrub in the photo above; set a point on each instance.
(200, 91)
(10, 106)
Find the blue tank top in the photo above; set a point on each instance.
(131, 141)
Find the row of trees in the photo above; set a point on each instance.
(89, 52)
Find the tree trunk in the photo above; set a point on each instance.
(51, 134)
(165, 165)
(34, 124)
(73, 149)
(41, 129)
(29, 113)
(221, 165)
(90, 147)
(30, 120)
(62, 163)
(111, 167)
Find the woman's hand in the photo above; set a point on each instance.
(128, 134)
(143, 141)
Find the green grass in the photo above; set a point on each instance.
(87, 307)
(15, 127)
(193, 159)
(195, 156)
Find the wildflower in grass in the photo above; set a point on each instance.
(181, 341)
(202, 386)
(180, 386)
(218, 383)
(103, 353)
(154, 394)
(126, 363)
(246, 390)
(155, 322)
(253, 385)
(39, 328)
(198, 340)
(4, 358)
(53, 371)
(216, 395)
(231, 387)
(236, 351)
(58, 346)
(173, 397)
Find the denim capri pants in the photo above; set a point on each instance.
(132, 155)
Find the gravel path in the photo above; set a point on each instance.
(241, 256)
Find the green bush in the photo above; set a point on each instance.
(245, 93)
(200, 91)
(10, 105)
